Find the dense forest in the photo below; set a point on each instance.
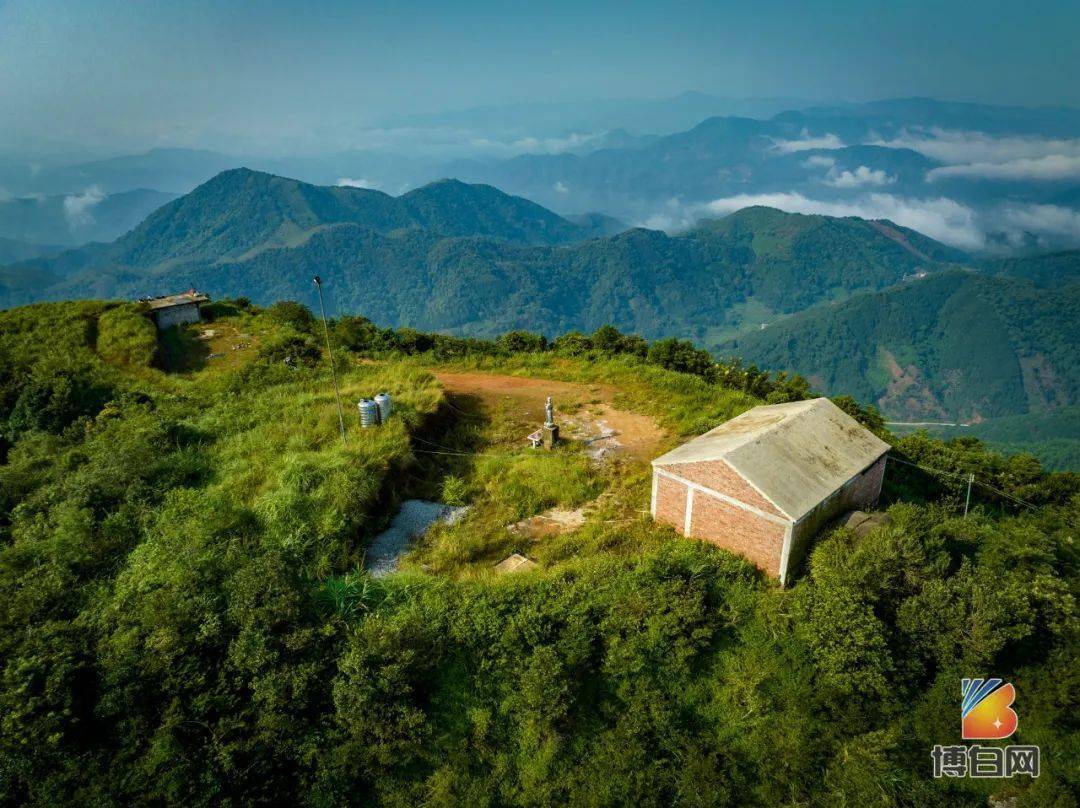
(954, 346)
(471, 259)
(185, 617)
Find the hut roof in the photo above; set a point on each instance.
(795, 454)
(168, 301)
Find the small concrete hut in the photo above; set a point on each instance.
(764, 483)
(170, 310)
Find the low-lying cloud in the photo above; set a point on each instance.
(79, 208)
(1042, 220)
(956, 146)
(359, 182)
(861, 177)
(818, 161)
(1052, 167)
(944, 219)
(977, 155)
(941, 218)
(806, 142)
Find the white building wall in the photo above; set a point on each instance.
(175, 315)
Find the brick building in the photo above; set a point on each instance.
(764, 483)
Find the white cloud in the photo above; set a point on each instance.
(977, 155)
(1044, 220)
(561, 187)
(1051, 167)
(349, 182)
(675, 216)
(943, 219)
(861, 177)
(807, 141)
(78, 208)
(818, 161)
(555, 145)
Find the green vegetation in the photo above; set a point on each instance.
(125, 336)
(955, 346)
(470, 259)
(1051, 270)
(184, 617)
(1050, 435)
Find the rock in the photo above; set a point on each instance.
(861, 523)
(514, 563)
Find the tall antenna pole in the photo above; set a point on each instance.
(330, 353)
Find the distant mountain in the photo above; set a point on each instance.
(955, 346)
(891, 114)
(823, 155)
(240, 213)
(12, 250)
(174, 171)
(78, 218)
(1050, 270)
(640, 116)
(472, 259)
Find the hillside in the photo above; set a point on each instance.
(954, 346)
(1050, 270)
(474, 260)
(1053, 436)
(188, 612)
(241, 213)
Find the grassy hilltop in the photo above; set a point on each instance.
(185, 617)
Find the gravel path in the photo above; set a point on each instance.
(414, 518)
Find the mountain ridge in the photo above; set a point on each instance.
(959, 345)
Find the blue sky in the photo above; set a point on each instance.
(168, 71)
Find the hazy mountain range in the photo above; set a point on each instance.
(661, 217)
(868, 307)
(975, 176)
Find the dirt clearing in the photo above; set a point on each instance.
(584, 412)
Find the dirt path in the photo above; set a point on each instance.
(583, 411)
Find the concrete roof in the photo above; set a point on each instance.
(167, 301)
(795, 454)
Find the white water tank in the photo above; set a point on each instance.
(369, 413)
(384, 403)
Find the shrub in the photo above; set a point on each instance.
(291, 348)
(126, 336)
(292, 314)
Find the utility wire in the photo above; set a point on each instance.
(963, 478)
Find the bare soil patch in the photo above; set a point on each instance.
(584, 412)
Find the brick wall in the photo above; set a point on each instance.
(859, 492)
(670, 502)
(719, 476)
(866, 488)
(738, 530)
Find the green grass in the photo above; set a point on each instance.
(684, 404)
(183, 618)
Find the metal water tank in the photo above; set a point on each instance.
(369, 413)
(383, 400)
